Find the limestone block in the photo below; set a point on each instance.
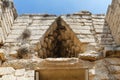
(81, 27)
(30, 78)
(90, 55)
(6, 70)
(85, 20)
(30, 73)
(12, 36)
(35, 37)
(98, 16)
(8, 77)
(101, 20)
(20, 24)
(18, 27)
(3, 54)
(82, 31)
(101, 27)
(87, 40)
(102, 31)
(38, 32)
(88, 24)
(9, 40)
(15, 32)
(20, 72)
(21, 78)
(86, 17)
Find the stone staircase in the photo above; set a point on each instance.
(90, 28)
(37, 24)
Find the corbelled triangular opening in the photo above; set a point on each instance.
(59, 41)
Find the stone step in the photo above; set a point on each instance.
(103, 31)
(17, 32)
(82, 31)
(103, 35)
(88, 40)
(20, 24)
(13, 36)
(81, 27)
(38, 32)
(10, 40)
(18, 27)
(38, 27)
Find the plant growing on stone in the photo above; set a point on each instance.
(26, 34)
(24, 37)
(23, 51)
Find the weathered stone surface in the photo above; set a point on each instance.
(90, 55)
(21, 78)
(30, 73)
(9, 77)
(6, 70)
(20, 72)
(23, 63)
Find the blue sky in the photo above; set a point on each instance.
(59, 7)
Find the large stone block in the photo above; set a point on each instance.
(20, 72)
(30, 73)
(8, 77)
(6, 70)
(90, 55)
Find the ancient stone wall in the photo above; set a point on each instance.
(9, 73)
(113, 20)
(7, 16)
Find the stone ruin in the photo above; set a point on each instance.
(78, 46)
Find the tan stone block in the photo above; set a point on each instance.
(20, 72)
